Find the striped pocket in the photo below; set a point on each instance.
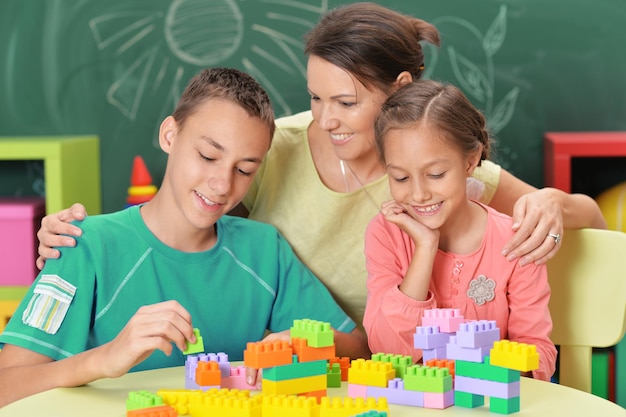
(50, 301)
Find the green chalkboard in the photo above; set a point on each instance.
(115, 68)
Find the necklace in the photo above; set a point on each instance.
(342, 165)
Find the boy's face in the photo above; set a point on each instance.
(213, 159)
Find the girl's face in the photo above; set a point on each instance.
(343, 107)
(427, 174)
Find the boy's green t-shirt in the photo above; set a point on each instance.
(248, 282)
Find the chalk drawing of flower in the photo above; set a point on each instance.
(481, 290)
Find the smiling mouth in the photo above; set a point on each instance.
(340, 137)
(206, 200)
(428, 209)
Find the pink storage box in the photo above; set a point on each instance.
(20, 218)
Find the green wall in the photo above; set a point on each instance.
(115, 68)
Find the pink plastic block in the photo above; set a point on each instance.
(357, 390)
(396, 394)
(429, 337)
(237, 379)
(477, 333)
(448, 319)
(439, 400)
(20, 218)
(487, 388)
(456, 352)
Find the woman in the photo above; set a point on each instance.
(321, 182)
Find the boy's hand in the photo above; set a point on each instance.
(54, 227)
(153, 327)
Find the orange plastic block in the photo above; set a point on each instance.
(369, 372)
(158, 411)
(290, 405)
(262, 354)
(318, 395)
(308, 353)
(347, 407)
(208, 374)
(514, 355)
(344, 365)
(294, 386)
(442, 363)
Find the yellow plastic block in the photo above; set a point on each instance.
(347, 407)
(294, 386)
(514, 355)
(369, 372)
(181, 399)
(289, 405)
(225, 406)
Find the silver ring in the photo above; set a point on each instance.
(556, 237)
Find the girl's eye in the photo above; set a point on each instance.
(403, 179)
(206, 158)
(244, 173)
(437, 176)
(314, 98)
(346, 104)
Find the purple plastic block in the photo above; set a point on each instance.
(429, 337)
(436, 353)
(395, 394)
(221, 358)
(456, 352)
(487, 388)
(439, 400)
(448, 319)
(357, 391)
(191, 364)
(477, 333)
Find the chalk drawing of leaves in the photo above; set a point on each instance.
(472, 80)
(503, 112)
(496, 33)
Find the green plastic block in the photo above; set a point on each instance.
(504, 405)
(197, 347)
(142, 399)
(398, 362)
(485, 371)
(468, 400)
(427, 379)
(317, 333)
(295, 370)
(333, 375)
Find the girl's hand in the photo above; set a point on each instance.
(53, 229)
(153, 327)
(535, 216)
(395, 213)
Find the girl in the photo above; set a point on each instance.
(431, 246)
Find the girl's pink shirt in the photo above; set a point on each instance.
(519, 305)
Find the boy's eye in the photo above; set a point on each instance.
(244, 173)
(314, 98)
(206, 158)
(403, 179)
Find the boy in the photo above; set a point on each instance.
(137, 278)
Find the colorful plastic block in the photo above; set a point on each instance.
(398, 362)
(477, 333)
(208, 374)
(179, 399)
(439, 400)
(429, 337)
(226, 406)
(448, 319)
(513, 355)
(348, 407)
(357, 390)
(468, 400)
(195, 347)
(369, 372)
(436, 353)
(317, 333)
(158, 411)
(487, 388)
(318, 395)
(142, 399)
(442, 363)
(266, 354)
(236, 379)
(456, 352)
(372, 413)
(333, 375)
(486, 371)
(308, 353)
(295, 370)
(504, 405)
(294, 386)
(289, 405)
(396, 394)
(425, 379)
(344, 365)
